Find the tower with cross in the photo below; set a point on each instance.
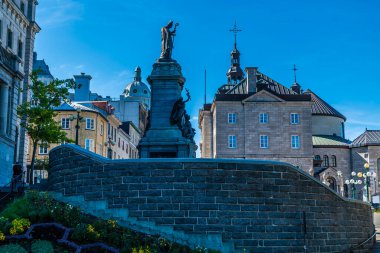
(235, 73)
(295, 87)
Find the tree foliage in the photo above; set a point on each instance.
(38, 114)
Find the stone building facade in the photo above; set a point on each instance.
(17, 33)
(254, 116)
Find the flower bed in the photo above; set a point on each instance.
(77, 230)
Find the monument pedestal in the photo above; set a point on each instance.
(162, 139)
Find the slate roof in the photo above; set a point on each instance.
(42, 67)
(263, 82)
(330, 140)
(368, 138)
(320, 107)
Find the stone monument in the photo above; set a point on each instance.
(169, 133)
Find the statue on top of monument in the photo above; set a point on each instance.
(167, 40)
(178, 111)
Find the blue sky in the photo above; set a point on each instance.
(335, 45)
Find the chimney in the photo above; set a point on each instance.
(82, 91)
(251, 78)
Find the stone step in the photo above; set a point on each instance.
(121, 215)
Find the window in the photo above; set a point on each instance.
(232, 141)
(10, 38)
(231, 118)
(295, 141)
(1, 30)
(89, 145)
(101, 149)
(366, 155)
(20, 49)
(118, 144)
(263, 118)
(325, 161)
(65, 123)
(294, 118)
(123, 145)
(317, 157)
(333, 161)
(126, 148)
(109, 129)
(101, 129)
(264, 141)
(22, 7)
(43, 149)
(90, 123)
(114, 134)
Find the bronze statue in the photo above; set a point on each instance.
(167, 40)
(178, 111)
(188, 130)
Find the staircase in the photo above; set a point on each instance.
(121, 215)
(10, 191)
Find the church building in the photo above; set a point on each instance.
(256, 117)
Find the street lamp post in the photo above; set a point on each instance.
(367, 176)
(77, 126)
(356, 179)
(353, 182)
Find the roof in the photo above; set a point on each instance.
(263, 82)
(137, 88)
(41, 66)
(368, 138)
(320, 107)
(73, 106)
(330, 140)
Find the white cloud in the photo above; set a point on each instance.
(58, 12)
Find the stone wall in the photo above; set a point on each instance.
(253, 205)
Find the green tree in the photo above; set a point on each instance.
(38, 114)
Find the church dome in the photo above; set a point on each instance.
(137, 88)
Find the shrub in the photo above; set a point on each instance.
(12, 248)
(42, 246)
(19, 225)
(5, 225)
(85, 233)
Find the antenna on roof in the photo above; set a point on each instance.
(205, 86)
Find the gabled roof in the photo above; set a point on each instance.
(330, 140)
(263, 82)
(368, 138)
(320, 107)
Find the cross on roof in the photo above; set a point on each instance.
(235, 30)
(295, 74)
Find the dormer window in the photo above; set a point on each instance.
(134, 90)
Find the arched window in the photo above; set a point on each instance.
(331, 182)
(333, 160)
(325, 161)
(317, 157)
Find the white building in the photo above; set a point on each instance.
(134, 103)
(17, 33)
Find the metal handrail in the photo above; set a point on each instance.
(361, 244)
(11, 185)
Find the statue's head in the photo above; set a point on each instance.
(170, 24)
